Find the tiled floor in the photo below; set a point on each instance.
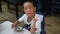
(52, 23)
(7, 14)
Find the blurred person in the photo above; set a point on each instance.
(30, 17)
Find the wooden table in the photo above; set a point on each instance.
(5, 28)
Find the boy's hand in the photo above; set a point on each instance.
(13, 25)
(35, 19)
(33, 28)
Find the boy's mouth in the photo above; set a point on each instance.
(28, 13)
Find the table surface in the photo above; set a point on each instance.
(5, 28)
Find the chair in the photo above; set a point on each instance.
(42, 15)
(16, 3)
(42, 25)
(55, 5)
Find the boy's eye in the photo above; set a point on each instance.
(25, 8)
(28, 8)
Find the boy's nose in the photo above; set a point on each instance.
(28, 9)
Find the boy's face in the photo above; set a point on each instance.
(29, 9)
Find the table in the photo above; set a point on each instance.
(5, 28)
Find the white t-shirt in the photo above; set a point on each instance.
(38, 23)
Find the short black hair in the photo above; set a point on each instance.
(31, 2)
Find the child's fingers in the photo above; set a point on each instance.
(12, 25)
(36, 18)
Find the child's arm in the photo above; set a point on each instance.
(18, 21)
(35, 25)
(15, 24)
(33, 29)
